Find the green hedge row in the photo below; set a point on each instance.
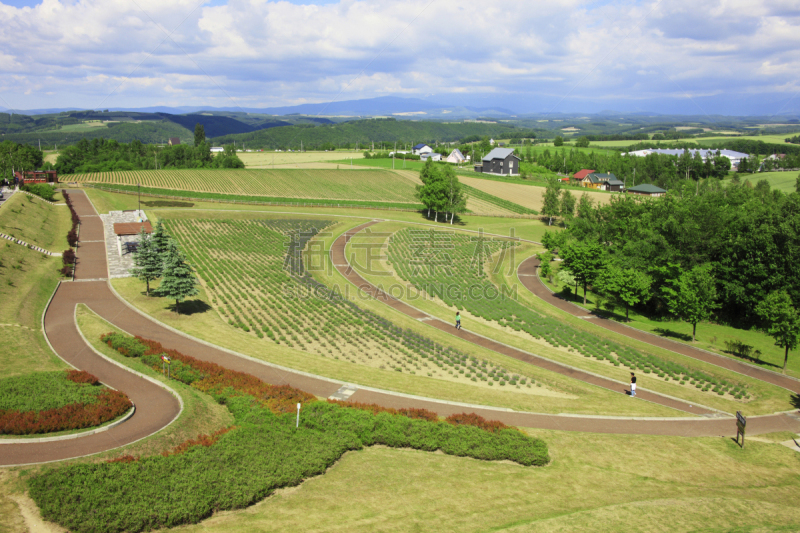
(263, 453)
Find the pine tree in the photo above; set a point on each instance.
(147, 263)
(199, 134)
(178, 280)
(160, 238)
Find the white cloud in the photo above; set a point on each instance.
(274, 53)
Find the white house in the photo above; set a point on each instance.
(456, 157)
(491, 142)
(735, 157)
(217, 149)
(432, 155)
(421, 148)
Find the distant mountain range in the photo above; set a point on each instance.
(383, 106)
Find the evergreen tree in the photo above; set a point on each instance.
(147, 263)
(199, 134)
(160, 238)
(178, 280)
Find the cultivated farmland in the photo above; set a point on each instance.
(453, 267)
(258, 283)
(345, 184)
(528, 196)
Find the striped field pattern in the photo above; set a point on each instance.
(345, 184)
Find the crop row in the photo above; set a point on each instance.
(244, 465)
(499, 202)
(454, 268)
(221, 197)
(255, 274)
(346, 184)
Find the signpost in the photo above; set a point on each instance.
(165, 363)
(741, 422)
(298, 417)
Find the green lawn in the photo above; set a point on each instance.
(782, 181)
(34, 221)
(599, 483)
(710, 336)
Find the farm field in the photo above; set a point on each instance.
(526, 195)
(325, 160)
(258, 290)
(557, 393)
(345, 184)
(770, 139)
(487, 316)
(782, 181)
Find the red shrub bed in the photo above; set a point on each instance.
(277, 398)
(471, 419)
(109, 405)
(374, 408)
(82, 376)
(201, 440)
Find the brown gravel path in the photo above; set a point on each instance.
(528, 276)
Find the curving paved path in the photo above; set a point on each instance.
(156, 407)
(527, 273)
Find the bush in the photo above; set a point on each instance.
(42, 190)
(127, 346)
(239, 466)
(68, 257)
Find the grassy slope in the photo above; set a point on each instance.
(769, 398)
(783, 181)
(36, 222)
(709, 337)
(27, 280)
(656, 485)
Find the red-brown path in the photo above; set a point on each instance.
(778, 422)
(155, 407)
(527, 272)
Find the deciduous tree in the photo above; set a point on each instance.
(584, 260)
(693, 296)
(550, 205)
(783, 321)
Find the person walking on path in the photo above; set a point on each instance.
(458, 319)
(633, 384)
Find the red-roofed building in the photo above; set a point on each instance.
(578, 176)
(29, 177)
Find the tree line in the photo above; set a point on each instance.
(730, 254)
(101, 155)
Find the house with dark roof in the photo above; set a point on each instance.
(174, 141)
(501, 161)
(646, 189)
(421, 148)
(614, 186)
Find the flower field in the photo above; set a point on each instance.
(453, 267)
(240, 466)
(255, 279)
(345, 184)
(45, 402)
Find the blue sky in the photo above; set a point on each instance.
(730, 57)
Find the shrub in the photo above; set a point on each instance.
(68, 256)
(127, 346)
(42, 190)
